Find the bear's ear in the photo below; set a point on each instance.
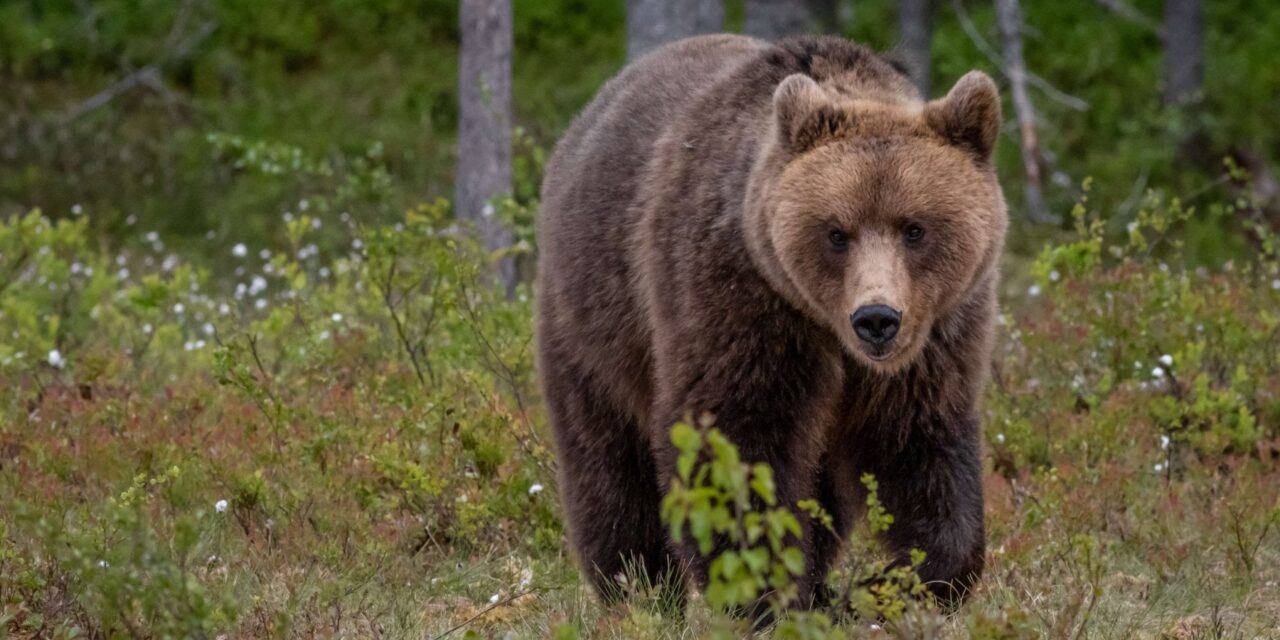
(805, 115)
(969, 117)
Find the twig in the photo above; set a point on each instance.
(479, 614)
(148, 76)
(1053, 93)
(1128, 12)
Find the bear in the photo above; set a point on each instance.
(788, 238)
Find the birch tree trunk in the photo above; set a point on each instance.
(653, 23)
(1183, 50)
(915, 30)
(484, 122)
(1009, 22)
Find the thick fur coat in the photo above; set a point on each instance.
(711, 225)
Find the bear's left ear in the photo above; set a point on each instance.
(969, 117)
(804, 113)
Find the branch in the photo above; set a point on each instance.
(1126, 11)
(1053, 93)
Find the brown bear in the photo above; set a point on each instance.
(787, 237)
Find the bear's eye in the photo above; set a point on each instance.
(838, 239)
(914, 233)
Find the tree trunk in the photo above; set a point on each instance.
(484, 122)
(1009, 21)
(915, 32)
(1183, 50)
(653, 23)
(774, 19)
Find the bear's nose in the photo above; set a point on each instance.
(875, 324)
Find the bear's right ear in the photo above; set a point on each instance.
(805, 116)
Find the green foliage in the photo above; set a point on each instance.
(717, 500)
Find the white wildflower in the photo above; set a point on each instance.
(220, 506)
(265, 254)
(239, 250)
(1158, 468)
(56, 360)
(535, 489)
(1033, 290)
(178, 307)
(1054, 276)
(76, 209)
(1157, 373)
(1164, 442)
(1166, 360)
(260, 304)
(493, 599)
(257, 285)
(146, 328)
(1000, 438)
(336, 317)
(207, 328)
(103, 564)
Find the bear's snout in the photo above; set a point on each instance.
(876, 324)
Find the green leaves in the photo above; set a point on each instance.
(730, 508)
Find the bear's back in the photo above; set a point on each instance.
(588, 310)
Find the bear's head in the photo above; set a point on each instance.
(876, 213)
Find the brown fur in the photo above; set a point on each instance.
(687, 267)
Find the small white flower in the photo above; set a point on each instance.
(324, 272)
(493, 599)
(1166, 360)
(1159, 467)
(875, 627)
(122, 274)
(315, 223)
(207, 328)
(213, 560)
(258, 285)
(487, 211)
(535, 489)
(178, 307)
(357, 244)
(153, 237)
(1033, 290)
(146, 328)
(1275, 284)
(224, 309)
(170, 261)
(103, 564)
(264, 254)
(260, 304)
(76, 209)
(1132, 226)
(55, 359)
(303, 204)
(1054, 276)
(220, 506)
(336, 317)
(1000, 438)
(240, 250)
(1164, 442)
(1157, 373)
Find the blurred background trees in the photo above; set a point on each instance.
(115, 106)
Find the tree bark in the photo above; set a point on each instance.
(1009, 22)
(915, 29)
(653, 23)
(1183, 50)
(484, 122)
(774, 19)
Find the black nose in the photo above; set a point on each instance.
(875, 323)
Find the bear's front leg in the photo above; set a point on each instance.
(930, 481)
(773, 395)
